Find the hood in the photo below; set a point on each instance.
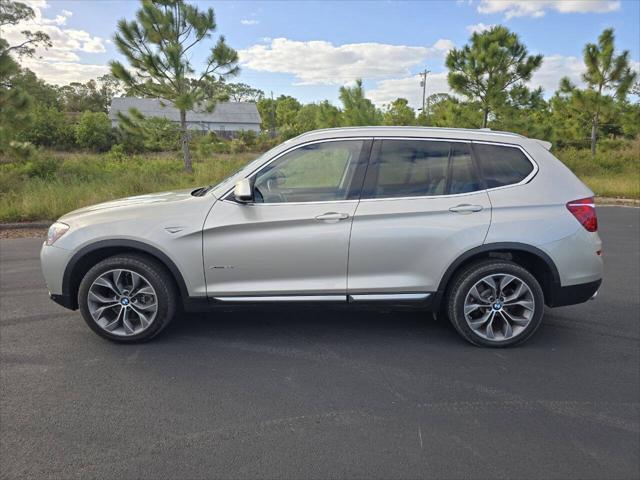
(137, 201)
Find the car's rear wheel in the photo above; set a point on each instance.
(127, 298)
(495, 303)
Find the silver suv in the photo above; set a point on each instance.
(482, 227)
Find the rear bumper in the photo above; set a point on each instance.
(573, 294)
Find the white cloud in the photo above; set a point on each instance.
(553, 68)
(59, 20)
(479, 27)
(62, 73)
(246, 21)
(408, 87)
(321, 62)
(60, 63)
(537, 8)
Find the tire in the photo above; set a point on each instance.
(486, 323)
(140, 291)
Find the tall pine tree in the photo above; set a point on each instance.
(158, 46)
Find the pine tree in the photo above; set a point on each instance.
(158, 47)
(489, 67)
(605, 71)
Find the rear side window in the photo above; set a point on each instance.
(462, 177)
(419, 168)
(411, 169)
(502, 165)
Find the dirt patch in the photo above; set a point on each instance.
(23, 233)
(629, 202)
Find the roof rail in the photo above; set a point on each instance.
(431, 129)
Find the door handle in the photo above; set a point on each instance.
(332, 217)
(466, 208)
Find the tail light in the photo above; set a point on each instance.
(584, 210)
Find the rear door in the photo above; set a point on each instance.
(422, 205)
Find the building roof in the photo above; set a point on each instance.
(225, 112)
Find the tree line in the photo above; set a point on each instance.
(488, 76)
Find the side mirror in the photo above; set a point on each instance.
(243, 192)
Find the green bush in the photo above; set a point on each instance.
(248, 137)
(264, 142)
(287, 131)
(21, 150)
(42, 166)
(118, 153)
(49, 128)
(237, 146)
(94, 131)
(160, 134)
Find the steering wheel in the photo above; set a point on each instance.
(272, 193)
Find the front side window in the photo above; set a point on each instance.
(502, 165)
(312, 173)
(419, 168)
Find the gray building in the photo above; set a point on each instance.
(226, 118)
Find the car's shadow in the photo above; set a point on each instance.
(341, 325)
(321, 323)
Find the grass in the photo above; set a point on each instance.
(614, 172)
(56, 183)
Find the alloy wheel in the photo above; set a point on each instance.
(499, 307)
(122, 302)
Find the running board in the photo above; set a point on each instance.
(388, 297)
(360, 297)
(283, 298)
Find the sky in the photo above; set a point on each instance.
(308, 49)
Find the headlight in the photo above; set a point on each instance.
(56, 231)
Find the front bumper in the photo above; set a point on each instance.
(64, 300)
(53, 261)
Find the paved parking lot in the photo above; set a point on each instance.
(318, 394)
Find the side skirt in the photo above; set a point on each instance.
(420, 300)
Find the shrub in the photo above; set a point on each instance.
(160, 134)
(21, 150)
(49, 128)
(264, 142)
(237, 146)
(118, 153)
(249, 137)
(287, 131)
(43, 167)
(94, 131)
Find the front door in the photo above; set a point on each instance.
(422, 206)
(293, 239)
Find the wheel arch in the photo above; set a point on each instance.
(539, 263)
(89, 255)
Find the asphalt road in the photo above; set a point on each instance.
(318, 394)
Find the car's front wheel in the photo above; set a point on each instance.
(127, 298)
(495, 303)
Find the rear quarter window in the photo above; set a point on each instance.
(502, 165)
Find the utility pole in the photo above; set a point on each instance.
(423, 84)
(273, 117)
